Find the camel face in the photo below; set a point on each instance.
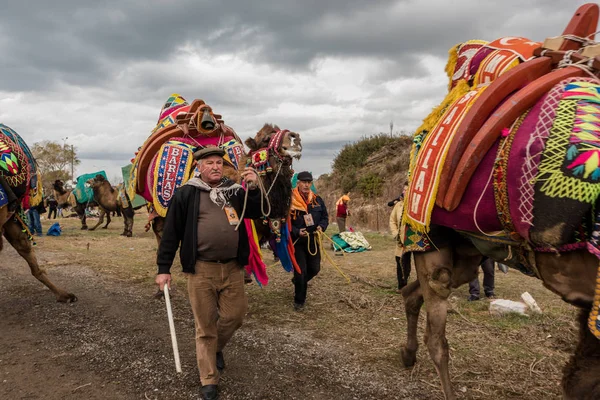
(289, 148)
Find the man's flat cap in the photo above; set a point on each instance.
(209, 151)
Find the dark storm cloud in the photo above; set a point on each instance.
(85, 44)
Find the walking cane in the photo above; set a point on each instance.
(172, 329)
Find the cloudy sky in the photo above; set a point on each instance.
(98, 72)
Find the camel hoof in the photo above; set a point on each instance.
(105, 227)
(67, 298)
(129, 234)
(84, 228)
(409, 358)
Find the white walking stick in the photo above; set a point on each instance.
(172, 329)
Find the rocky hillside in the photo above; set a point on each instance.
(372, 170)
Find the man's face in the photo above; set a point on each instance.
(304, 187)
(211, 169)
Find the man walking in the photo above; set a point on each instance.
(201, 222)
(309, 217)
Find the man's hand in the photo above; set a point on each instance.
(319, 228)
(161, 279)
(249, 176)
(303, 232)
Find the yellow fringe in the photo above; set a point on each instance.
(451, 64)
(38, 193)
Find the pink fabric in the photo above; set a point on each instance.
(516, 160)
(477, 59)
(255, 266)
(462, 217)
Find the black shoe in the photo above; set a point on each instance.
(472, 298)
(209, 392)
(298, 306)
(220, 361)
(491, 296)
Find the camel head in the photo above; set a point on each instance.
(97, 182)
(280, 146)
(59, 186)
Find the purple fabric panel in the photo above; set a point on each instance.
(477, 59)
(516, 159)
(462, 217)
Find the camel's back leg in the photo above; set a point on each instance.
(18, 239)
(100, 219)
(107, 218)
(581, 379)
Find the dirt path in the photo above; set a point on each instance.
(114, 344)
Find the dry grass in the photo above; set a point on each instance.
(491, 357)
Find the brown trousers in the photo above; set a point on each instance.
(219, 304)
(341, 224)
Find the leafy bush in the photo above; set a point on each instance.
(370, 185)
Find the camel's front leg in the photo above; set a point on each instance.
(434, 270)
(18, 239)
(107, 218)
(413, 300)
(100, 220)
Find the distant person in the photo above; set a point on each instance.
(487, 266)
(35, 223)
(309, 216)
(52, 206)
(403, 260)
(342, 212)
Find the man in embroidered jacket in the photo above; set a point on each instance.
(201, 222)
(309, 216)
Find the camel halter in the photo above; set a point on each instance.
(259, 159)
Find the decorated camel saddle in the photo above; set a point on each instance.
(511, 158)
(165, 161)
(20, 181)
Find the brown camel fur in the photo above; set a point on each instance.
(108, 200)
(13, 232)
(67, 199)
(571, 275)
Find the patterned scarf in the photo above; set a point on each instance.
(299, 202)
(219, 195)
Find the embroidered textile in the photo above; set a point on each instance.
(422, 189)
(173, 168)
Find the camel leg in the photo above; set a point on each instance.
(107, 219)
(100, 221)
(157, 228)
(18, 239)
(413, 300)
(581, 374)
(80, 210)
(434, 270)
(128, 214)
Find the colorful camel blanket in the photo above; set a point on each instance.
(83, 192)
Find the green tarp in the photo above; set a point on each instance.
(84, 193)
(138, 201)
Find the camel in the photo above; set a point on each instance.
(14, 187)
(182, 128)
(500, 136)
(277, 181)
(66, 198)
(110, 200)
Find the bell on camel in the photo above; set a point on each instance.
(207, 123)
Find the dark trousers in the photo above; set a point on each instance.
(403, 269)
(487, 266)
(50, 211)
(310, 265)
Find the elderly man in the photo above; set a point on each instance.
(309, 216)
(201, 222)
